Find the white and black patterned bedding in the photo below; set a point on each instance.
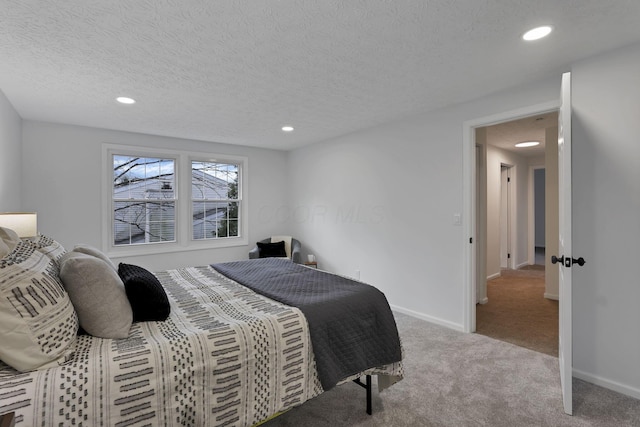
(225, 356)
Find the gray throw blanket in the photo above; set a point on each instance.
(350, 323)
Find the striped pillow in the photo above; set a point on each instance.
(38, 324)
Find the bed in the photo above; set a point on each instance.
(226, 355)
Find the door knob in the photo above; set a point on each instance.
(568, 261)
(555, 259)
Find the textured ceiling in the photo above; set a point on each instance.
(236, 71)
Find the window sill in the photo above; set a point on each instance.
(174, 247)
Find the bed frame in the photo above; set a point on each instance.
(367, 386)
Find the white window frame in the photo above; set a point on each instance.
(183, 209)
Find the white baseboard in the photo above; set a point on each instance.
(494, 276)
(426, 317)
(483, 301)
(524, 264)
(551, 296)
(611, 385)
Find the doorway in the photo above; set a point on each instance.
(515, 309)
(513, 232)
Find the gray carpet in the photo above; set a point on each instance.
(457, 379)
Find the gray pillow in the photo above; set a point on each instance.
(98, 295)
(90, 250)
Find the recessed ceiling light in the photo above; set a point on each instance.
(527, 144)
(537, 33)
(287, 128)
(125, 100)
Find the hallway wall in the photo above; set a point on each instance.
(520, 208)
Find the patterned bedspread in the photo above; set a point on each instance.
(226, 356)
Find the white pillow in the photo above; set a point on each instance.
(4, 249)
(98, 295)
(38, 324)
(8, 241)
(287, 243)
(90, 250)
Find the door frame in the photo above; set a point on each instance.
(469, 198)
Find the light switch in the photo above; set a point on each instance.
(457, 219)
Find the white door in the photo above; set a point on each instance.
(564, 244)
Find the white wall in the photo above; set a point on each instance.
(481, 216)
(519, 214)
(10, 157)
(405, 180)
(606, 219)
(62, 172)
(539, 209)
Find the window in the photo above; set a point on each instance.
(144, 200)
(215, 201)
(165, 201)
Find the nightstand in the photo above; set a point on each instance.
(8, 420)
(313, 264)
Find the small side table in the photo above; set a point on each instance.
(8, 420)
(312, 264)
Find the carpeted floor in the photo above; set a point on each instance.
(518, 312)
(458, 379)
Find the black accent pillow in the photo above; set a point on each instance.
(270, 250)
(146, 295)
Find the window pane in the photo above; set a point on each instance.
(144, 200)
(228, 220)
(233, 228)
(143, 178)
(214, 194)
(143, 222)
(233, 210)
(207, 217)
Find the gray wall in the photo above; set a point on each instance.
(538, 203)
(62, 175)
(10, 157)
(606, 219)
(405, 180)
(519, 208)
(403, 184)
